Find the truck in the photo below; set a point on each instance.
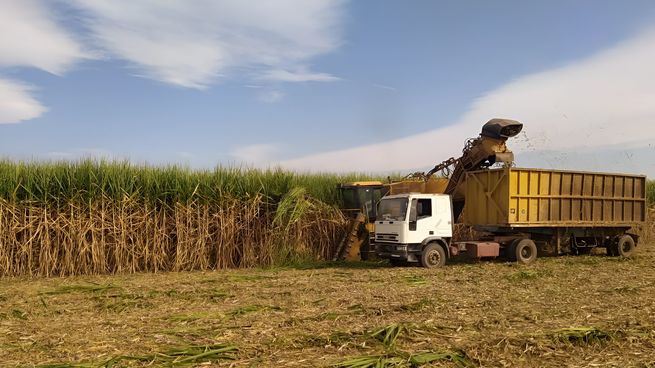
(519, 214)
(516, 213)
(359, 204)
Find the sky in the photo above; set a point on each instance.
(327, 85)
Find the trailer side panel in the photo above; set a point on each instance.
(514, 197)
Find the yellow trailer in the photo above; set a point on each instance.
(562, 211)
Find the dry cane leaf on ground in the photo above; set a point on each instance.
(565, 311)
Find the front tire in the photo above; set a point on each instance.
(433, 256)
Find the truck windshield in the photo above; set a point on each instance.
(393, 209)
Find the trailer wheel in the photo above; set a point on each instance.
(524, 251)
(625, 246)
(433, 255)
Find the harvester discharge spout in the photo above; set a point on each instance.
(478, 153)
(501, 129)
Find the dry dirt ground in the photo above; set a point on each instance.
(567, 311)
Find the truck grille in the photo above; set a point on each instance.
(386, 237)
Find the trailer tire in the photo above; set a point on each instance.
(510, 251)
(433, 256)
(625, 246)
(524, 251)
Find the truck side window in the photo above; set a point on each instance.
(424, 208)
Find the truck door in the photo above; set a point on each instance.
(420, 215)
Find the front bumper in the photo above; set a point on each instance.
(403, 252)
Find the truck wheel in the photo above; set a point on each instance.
(625, 246)
(525, 251)
(433, 256)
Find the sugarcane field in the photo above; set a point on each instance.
(327, 183)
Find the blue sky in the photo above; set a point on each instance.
(327, 84)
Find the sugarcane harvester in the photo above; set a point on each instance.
(359, 203)
(479, 153)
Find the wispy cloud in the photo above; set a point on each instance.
(605, 100)
(299, 75)
(383, 86)
(176, 42)
(31, 38)
(17, 103)
(255, 154)
(194, 44)
(271, 96)
(185, 155)
(60, 155)
(83, 153)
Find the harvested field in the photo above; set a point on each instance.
(567, 311)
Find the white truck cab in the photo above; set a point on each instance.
(414, 227)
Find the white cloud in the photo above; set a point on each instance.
(60, 155)
(185, 155)
(271, 96)
(257, 154)
(603, 101)
(16, 103)
(383, 86)
(185, 43)
(95, 153)
(301, 75)
(30, 37)
(192, 43)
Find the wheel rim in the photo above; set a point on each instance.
(434, 258)
(626, 247)
(526, 252)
